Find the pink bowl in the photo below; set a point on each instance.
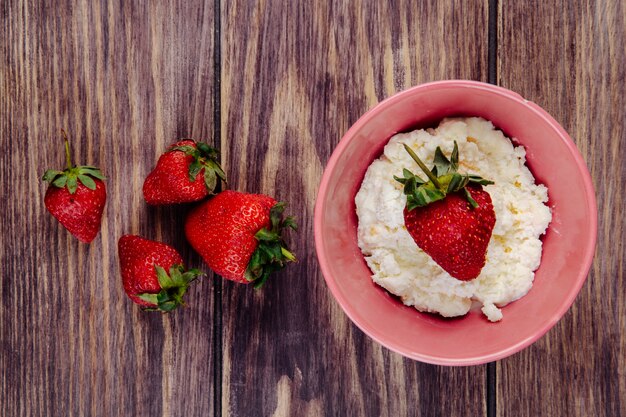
(568, 245)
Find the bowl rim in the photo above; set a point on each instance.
(589, 250)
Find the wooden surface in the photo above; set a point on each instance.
(579, 367)
(274, 85)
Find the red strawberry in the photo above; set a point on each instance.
(239, 235)
(153, 273)
(188, 171)
(449, 217)
(76, 197)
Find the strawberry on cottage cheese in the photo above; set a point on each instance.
(514, 251)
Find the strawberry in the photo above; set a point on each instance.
(153, 274)
(450, 217)
(76, 197)
(239, 235)
(188, 171)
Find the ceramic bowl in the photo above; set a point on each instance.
(568, 245)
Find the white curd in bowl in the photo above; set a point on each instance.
(514, 251)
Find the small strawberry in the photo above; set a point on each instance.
(239, 235)
(188, 171)
(153, 274)
(76, 197)
(450, 217)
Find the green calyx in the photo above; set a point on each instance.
(443, 179)
(272, 253)
(204, 156)
(173, 288)
(73, 174)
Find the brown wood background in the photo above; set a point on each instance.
(275, 84)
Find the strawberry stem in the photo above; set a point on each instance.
(423, 167)
(67, 150)
(287, 254)
(443, 180)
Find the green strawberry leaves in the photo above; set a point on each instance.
(443, 179)
(207, 158)
(272, 253)
(444, 165)
(72, 175)
(173, 287)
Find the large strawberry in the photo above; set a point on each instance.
(153, 274)
(450, 217)
(76, 197)
(188, 171)
(239, 235)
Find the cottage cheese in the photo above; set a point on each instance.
(514, 252)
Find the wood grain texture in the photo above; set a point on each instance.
(295, 76)
(124, 79)
(570, 60)
(127, 78)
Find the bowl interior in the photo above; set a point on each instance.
(568, 244)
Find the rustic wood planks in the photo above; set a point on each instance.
(295, 76)
(275, 89)
(124, 81)
(569, 59)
